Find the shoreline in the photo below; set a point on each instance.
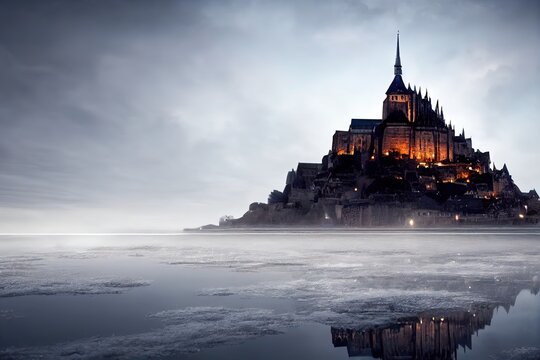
(348, 229)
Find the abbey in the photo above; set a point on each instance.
(409, 128)
(408, 167)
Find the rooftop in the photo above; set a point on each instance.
(364, 124)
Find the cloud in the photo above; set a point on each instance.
(171, 114)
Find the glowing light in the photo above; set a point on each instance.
(355, 189)
(521, 216)
(326, 217)
(442, 319)
(372, 157)
(411, 222)
(525, 207)
(456, 217)
(387, 153)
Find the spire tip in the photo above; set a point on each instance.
(397, 65)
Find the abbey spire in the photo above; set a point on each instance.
(397, 65)
(397, 86)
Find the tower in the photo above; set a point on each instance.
(398, 96)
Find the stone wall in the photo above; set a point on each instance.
(396, 138)
(340, 142)
(374, 215)
(424, 148)
(346, 143)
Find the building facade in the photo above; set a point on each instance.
(409, 128)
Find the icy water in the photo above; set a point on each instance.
(445, 294)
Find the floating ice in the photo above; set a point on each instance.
(25, 287)
(350, 280)
(184, 331)
(8, 314)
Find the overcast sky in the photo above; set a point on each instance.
(159, 115)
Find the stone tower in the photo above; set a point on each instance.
(398, 96)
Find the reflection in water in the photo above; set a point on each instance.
(435, 335)
(425, 337)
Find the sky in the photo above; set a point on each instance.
(160, 115)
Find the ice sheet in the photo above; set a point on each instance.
(350, 280)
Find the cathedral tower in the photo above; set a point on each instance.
(398, 96)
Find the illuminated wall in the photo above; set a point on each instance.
(347, 143)
(397, 139)
(424, 148)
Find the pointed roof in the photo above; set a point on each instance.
(397, 65)
(397, 86)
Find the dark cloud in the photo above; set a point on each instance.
(134, 114)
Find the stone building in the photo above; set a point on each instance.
(358, 138)
(408, 167)
(409, 128)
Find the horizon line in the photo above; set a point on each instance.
(90, 234)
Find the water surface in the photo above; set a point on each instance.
(318, 295)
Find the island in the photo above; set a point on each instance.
(408, 168)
